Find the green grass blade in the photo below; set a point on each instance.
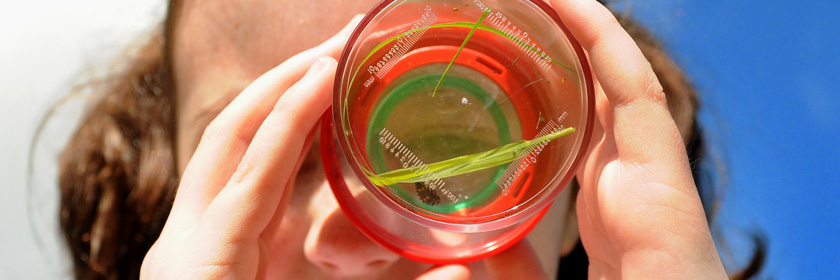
(444, 25)
(486, 12)
(451, 24)
(465, 164)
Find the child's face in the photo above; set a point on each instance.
(222, 46)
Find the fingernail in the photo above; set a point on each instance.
(316, 67)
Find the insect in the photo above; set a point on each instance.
(427, 195)
(540, 121)
(515, 60)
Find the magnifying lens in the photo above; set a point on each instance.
(461, 120)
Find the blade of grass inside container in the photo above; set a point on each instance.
(465, 164)
(487, 11)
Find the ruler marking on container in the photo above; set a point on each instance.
(526, 158)
(400, 48)
(414, 163)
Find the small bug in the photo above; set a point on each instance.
(540, 121)
(427, 195)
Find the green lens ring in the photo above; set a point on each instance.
(415, 85)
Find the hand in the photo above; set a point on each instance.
(638, 209)
(236, 186)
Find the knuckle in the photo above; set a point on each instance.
(244, 171)
(654, 90)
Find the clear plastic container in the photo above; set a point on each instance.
(461, 121)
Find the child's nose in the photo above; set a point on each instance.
(335, 245)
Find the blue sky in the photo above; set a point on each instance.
(768, 73)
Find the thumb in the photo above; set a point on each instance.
(449, 272)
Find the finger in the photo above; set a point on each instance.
(273, 226)
(449, 272)
(616, 59)
(248, 201)
(643, 128)
(518, 262)
(227, 138)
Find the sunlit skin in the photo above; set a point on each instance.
(253, 77)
